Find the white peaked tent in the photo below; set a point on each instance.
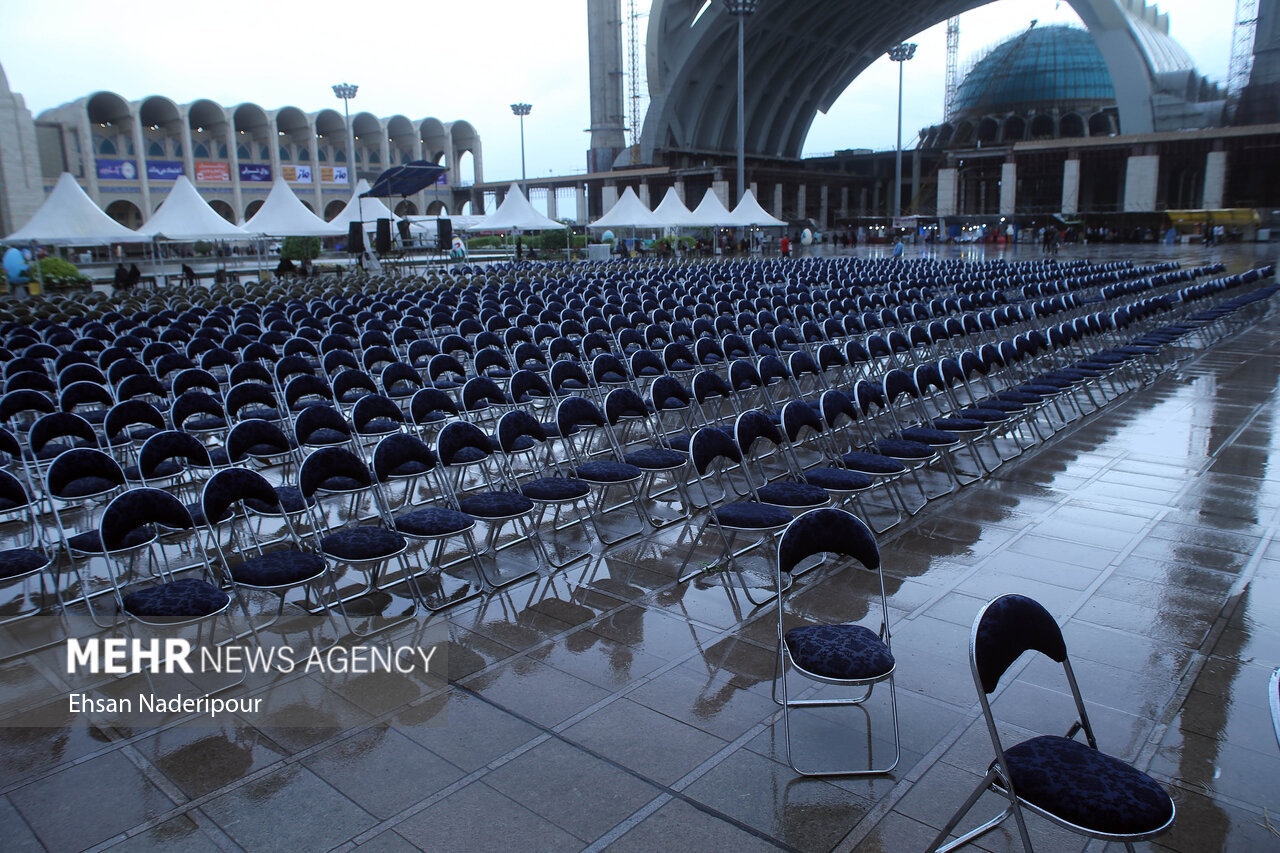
(284, 215)
(710, 213)
(672, 213)
(69, 217)
(184, 215)
(515, 214)
(628, 212)
(366, 210)
(749, 213)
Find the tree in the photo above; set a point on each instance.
(300, 248)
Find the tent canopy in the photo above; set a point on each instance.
(184, 215)
(671, 211)
(749, 213)
(362, 208)
(628, 212)
(69, 217)
(710, 213)
(515, 214)
(284, 215)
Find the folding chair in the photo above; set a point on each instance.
(1070, 783)
(848, 655)
(26, 561)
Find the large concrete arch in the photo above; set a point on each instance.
(802, 54)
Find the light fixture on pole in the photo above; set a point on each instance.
(899, 53)
(522, 110)
(347, 91)
(740, 9)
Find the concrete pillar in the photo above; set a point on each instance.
(844, 202)
(604, 75)
(824, 207)
(877, 206)
(608, 197)
(643, 194)
(1141, 178)
(1008, 189)
(139, 145)
(755, 190)
(1071, 186)
(777, 201)
(384, 149)
(1215, 180)
(680, 193)
(947, 192)
(188, 159)
(863, 195)
(553, 209)
(802, 201)
(88, 158)
(421, 196)
(720, 187)
(580, 192)
(233, 163)
(915, 181)
(313, 156)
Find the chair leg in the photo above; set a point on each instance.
(983, 786)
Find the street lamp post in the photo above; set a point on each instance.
(899, 53)
(740, 9)
(347, 91)
(522, 110)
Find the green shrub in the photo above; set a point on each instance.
(202, 249)
(300, 248)
(58, 274)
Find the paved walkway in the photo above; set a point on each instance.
(607, 707)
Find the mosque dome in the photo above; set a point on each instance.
(1043, 68)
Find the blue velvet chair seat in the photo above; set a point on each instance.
(1018, 397)
(681, 364)
(555, 489)
(959, 424)
(291, 501)
(91, 541)
(434, 417)
(872, 463)
(790, 494)
(900, 449)
(265, 450)
(363, 543)
(260, 412)
(931, 437)
(54, 448)
(613, 378)
(204, 424)
(522, 442)
(176, 601)
(140, 433)
(279, 568)
(464, 455)
(749, 515)
(339, 483)
(849, 652)
(197, 513)
(495, 505)
(573, 384)
(433, 521)
(987, 414)
(655, 459)
(1086, 787)
(838, 479)
(446, 384)
(380, 426)
(674, 403)
(325, 436)
(219, 457)
(353, 395)
(607, 471)
(680, 442)
(551, 429)
(649, 370)
(21, 561)
(167, 468)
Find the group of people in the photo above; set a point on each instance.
(127, 277)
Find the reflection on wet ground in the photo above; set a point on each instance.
(607, 707)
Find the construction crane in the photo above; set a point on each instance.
(1242, 36)
(634, 96)
(953, 69)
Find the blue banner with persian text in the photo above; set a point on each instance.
(163, 170)
(257, 172)
(117, 170)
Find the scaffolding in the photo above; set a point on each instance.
(953, 71)
(1246, 23)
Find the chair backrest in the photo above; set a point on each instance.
(827, 531)
(519, 431)
(138, 508)
(256, 438)
(333, 469)
(462, 443)
(168, 445)
(402, 455)
(1005, 628)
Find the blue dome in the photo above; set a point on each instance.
(1046, 67)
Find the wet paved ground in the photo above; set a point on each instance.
(607, 707)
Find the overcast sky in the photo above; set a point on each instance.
(456, 61)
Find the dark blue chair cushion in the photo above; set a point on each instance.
(21, 561)
(872, 463)
(362, 543)
(607, 471)
(278, 568)
(409, 468)
(959, 424)
(1086, 787)
(789, 494)
(209, 423)
(849, 652)
(992, 411)
(838, 479)
(932, 437)
(555, 489)
(749, 515)
(468, 454)
(167, 468)
(899, 449)
(495, 505)
(338, 483)
(85, 486)
(433, 521)
(324, 436)
(1045, 388)
(91, 541)
(655, 459)
(291, 501)
(176, 601)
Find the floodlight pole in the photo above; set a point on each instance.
(740, 9)
(522, 110)
(899, 53)
(347, 91)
